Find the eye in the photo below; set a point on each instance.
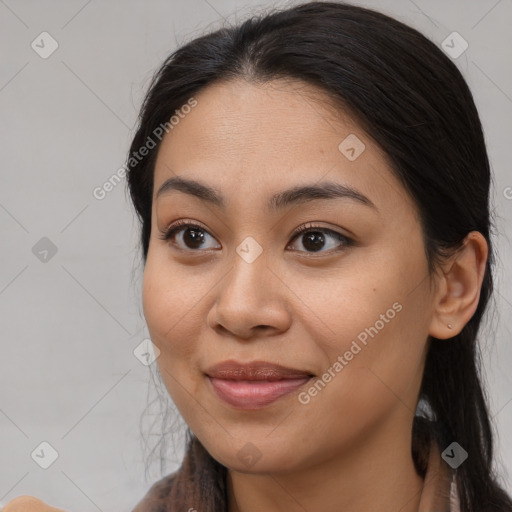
(314, 238)
(193, 235)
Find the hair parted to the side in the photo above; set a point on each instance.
(414, 102)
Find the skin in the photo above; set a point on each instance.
(29, 504)
(349, 447)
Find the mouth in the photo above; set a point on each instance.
(254, 385)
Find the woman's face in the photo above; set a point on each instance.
(347, 301)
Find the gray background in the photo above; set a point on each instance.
(69, 326)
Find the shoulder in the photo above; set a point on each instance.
(155, 499)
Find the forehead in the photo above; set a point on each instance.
(271, 119)
(261, 138)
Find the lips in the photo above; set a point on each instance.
(256, 370)
(254, 385)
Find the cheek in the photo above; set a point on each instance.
(169, 310)
(174, 312)
(376, 379)
(162, 310)
(378, 326)
(157, 300)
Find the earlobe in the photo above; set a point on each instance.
(459, 287)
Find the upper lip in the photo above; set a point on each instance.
(254, 370)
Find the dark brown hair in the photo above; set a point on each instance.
(413, 101)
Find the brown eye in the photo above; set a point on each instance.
(192, 236)
(316, 239)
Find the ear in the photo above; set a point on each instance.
(458, 292)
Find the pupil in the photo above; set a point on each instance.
(317, 240)
(195, 238)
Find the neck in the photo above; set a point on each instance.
(377, 473)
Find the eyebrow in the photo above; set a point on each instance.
(292, 196)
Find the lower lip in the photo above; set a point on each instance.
(255, 394)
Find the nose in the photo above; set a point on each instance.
(251, 301)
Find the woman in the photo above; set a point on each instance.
(313, 191)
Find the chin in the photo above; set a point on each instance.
(250, 459)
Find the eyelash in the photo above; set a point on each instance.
(177, 226)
